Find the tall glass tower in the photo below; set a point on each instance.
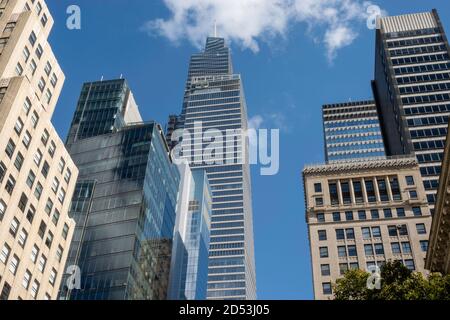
(214, 97)
(412, 88)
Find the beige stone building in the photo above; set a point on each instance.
(37, 176)
(363, 213)
(438, 258)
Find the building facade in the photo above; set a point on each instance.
(125, 201)
(37, 175)
(412, 89)
(363, 213)
(352, 131)
(189, 268)
(438, 257)
(214, 101)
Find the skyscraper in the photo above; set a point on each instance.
(37, 175)
(412, 89)
(189, 268)
(125, 200)
(352, 131)
(362, 213)
(214, 99)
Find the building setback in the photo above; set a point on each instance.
(215, 99)
(352, 131)
(125, 199)
(37, 175)
(412, 89)
(363, 213)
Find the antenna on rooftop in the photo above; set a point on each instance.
(215, 28)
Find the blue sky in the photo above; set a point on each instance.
(292, 62)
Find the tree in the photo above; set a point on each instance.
(397, 283)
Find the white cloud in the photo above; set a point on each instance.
(333, 23)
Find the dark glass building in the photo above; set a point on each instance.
(412, 89)
(352, 131)
(125, 200)
(215, 98)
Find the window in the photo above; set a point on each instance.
(319, 202)
(23, 202)
(38, 157)
(382, 188)
(61, 195)
(379, 249)
(34, 253)
(321, 217)
(35, 289)
(376, 232)
(5, 292)
(375, 214)
(362, 215)
(410, 265)
(10, 184)
(45, 169)
(49, 206)
(340, 235)
(395, 246)
(32, 38)
(61, 165)
(26, 279)
(42, 228)
(387, 213)
(2, 209)
(65, 231)
(354, 266)
(368, 250)
(421, 229)
(39, 51)
(342, 252)
(19, 69)
(23, 236)
(10, 147)
(417, 211)
(68, 175)
(45, 137)
(48, 96)
(38, 8)
(345, 189)
(14, 264)
(325, 270)
(30, 179)
(55, 218)
(366, 233)
(413, 195)
(349, 216)
(26, 139)
(402, 230)
(38, 191)
(52, 278)
(19, 161)
(26, 53)
(34, 119)
(18, 126)
(323, 252)
(343, 268)
(59, 253)
(352, 252)
(52, 149)
(333, 194)
(406, 248)
(13, 227)
(49, 240)
(4, 255)
(54, 80)
(55, 185)
(370, 189)
(327, 288)
(42, 263)
(30, 214)
(2, 171)
(350, 234)
(27, 106)
(33, 67)
(336, 216)
(48, 68)
(410, 180)
(318, 188)
(322, 235)
(41, 84)
(424, 245)
(357, 190)
(400, 212)
(44, 20)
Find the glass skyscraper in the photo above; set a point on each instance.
(352, 131)
(189, 268)
(412, 88)
(214, 97)
(125, 200)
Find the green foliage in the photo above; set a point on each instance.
(397, 283)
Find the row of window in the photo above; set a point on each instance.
(422, 68)
(426, 121)
(424, 133)
(425, 88)
(414, 42)
(426, 99)
(374, 214)
(423, 78)
(417, 50)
